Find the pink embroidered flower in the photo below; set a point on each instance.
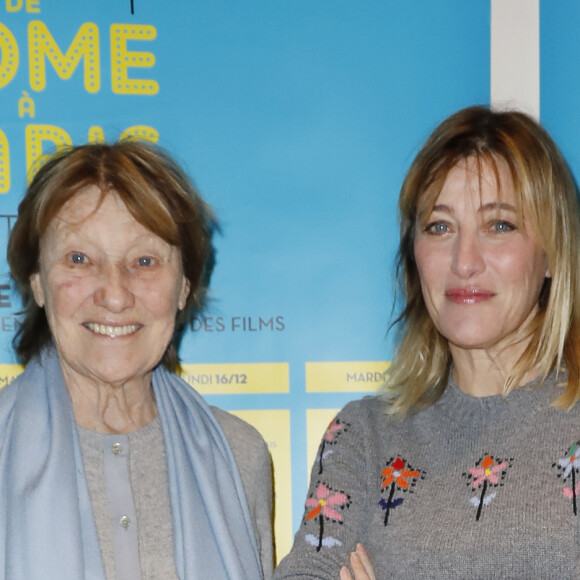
(322, 504)
(488, 470)
(335, 428)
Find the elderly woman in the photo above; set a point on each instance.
(467, 467)
(110, 465)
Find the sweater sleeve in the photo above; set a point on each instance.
(336, 502)
(255, 466)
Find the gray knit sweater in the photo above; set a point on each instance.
(468, 488)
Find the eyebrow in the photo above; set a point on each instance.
(492, 205)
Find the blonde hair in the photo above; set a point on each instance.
(546, 194)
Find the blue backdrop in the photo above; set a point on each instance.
(297, 120)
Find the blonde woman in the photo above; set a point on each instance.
(467, 465)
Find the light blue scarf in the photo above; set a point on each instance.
(47, 529)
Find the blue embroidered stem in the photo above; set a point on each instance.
(391, 494)
(481, 500)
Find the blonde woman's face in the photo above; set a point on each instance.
(481, 274)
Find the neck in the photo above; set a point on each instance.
(106, 408)
(483, 373)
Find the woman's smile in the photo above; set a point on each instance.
(469, 295)
(112, 331)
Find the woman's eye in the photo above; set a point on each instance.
(78, 258)
(501, 227)
(437, 228)
(145, 261)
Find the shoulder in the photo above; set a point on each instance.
(255, 466)
(234, 427)
(368, 410)
(356, 431)
(247, 445)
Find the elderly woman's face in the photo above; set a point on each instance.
(110, 288)
(481, 274)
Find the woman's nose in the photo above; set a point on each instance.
(468, 259)
(113, 292)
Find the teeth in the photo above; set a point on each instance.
(111, 331)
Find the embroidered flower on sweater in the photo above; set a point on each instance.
(335, 428)
(569, 466)
(397, 475)
(489, 471)
(321, 505)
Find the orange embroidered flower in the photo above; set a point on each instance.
(397, 475)
(396, 472)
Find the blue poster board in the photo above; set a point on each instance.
(297, 120)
